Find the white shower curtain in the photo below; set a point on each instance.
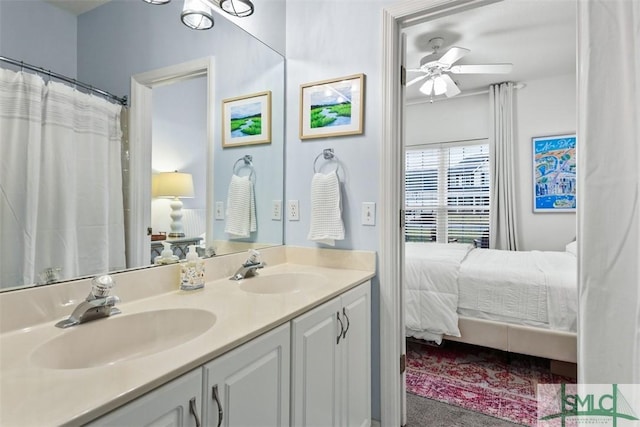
(503, 186)
(61, 182)
(609, 191)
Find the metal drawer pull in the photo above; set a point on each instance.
(194, 410)
(344, 313)
(341, 328)
(214, 395)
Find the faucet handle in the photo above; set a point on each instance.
(101, 286)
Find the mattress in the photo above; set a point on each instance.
(532, 288)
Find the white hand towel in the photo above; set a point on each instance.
(326, 211)
(241, 208)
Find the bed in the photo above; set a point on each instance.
(517, 301)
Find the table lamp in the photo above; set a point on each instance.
(176, 185)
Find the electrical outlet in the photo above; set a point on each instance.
(368, 213)
(293, 210)
(219, 213)
(276, 210)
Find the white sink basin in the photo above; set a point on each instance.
(122, 337)
(282, 283)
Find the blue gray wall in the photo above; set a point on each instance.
(329, 39)
(39, 34)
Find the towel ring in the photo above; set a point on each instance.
(246, 159)
(327, 153)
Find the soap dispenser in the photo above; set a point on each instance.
(192, 271)
(166, 256)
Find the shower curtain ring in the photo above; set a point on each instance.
(21, 66)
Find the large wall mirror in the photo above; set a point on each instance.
(109, 46)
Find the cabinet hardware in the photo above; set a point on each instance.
(214, 395)
(194, 410)
(341, 328)
(344, 313)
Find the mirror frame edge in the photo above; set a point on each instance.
(139, 191)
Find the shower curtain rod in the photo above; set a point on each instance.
(21, 64)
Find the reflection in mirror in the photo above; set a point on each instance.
(105, 47)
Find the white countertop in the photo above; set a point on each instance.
(34, 396)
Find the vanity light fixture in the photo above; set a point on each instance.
(197, 14)
(240, 8)
(174, 185)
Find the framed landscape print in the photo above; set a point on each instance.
(246, 120)
(332, 107)
(554, 173)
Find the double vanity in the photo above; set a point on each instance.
(289, 346)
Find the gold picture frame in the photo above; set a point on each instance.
(246, 120)
(333, 107)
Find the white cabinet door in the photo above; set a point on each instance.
(167, 406)
(249, 386)
(356, 357)
(331, 363)
(315, 364)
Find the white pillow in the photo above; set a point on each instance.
(572, 248)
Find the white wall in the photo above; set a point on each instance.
(544, 107)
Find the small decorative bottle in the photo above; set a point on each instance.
(192, 271)
(166, 256)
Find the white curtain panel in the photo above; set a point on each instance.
(21, 98)
(608, 191)
(503, 187)
(70, 211)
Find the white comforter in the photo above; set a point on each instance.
(531, 287)
(431, 289)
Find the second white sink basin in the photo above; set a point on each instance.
(282, 283)
(122, 337)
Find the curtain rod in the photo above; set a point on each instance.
(461, 95)
(21, 64)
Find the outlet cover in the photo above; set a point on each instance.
(219, 214)
(293, 210)
(276, 210)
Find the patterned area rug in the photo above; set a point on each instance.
(492, 382)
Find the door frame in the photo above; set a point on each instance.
(391, 256)
(139, 216)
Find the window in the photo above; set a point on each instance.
(447, 193)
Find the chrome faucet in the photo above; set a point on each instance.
(249, 267)
(98, 303)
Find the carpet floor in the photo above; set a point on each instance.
(491, 382)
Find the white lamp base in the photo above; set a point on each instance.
(177, 229)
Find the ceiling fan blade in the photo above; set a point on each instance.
(482, 69)
(416, 80)
(452, 88)
(452, 55)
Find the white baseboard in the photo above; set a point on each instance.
(375, 423)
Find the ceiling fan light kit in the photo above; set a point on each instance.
(436, 68)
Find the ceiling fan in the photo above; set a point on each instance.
(436, 68)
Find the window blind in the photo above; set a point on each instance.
(447, 193)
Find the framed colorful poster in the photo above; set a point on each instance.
(554, 173)
(332, 107)
(246, 120)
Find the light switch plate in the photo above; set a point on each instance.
(276, 210)
(293, 210)
(219, 214)
(368, 213)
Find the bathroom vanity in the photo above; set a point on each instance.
(288, 347)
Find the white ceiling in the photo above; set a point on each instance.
(77, 7)
(537, 36)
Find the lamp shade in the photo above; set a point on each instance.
(241, 8)
(172, 184)
(197, 14)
